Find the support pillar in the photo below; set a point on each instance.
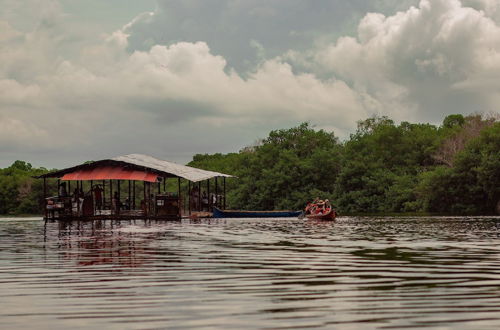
(189, 197)
(77, 196)
(133, 194)
(224, 204)
(45, 197)
(145, 202)
(179, 197)
(111, 194)
(216, 193)
(129, 195)
(117, 206)
(199, 196)
(103, 194)
(209, 201)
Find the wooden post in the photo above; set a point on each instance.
(150, 204)
(58, 187)
(103, 195)
(216, 193)
(189, 197)
(133, 193)
(145, 200)
(111, 195)
(129, 194)
(209, 201)
(70, 199)
(77, 195)
(159, 187)
(45, 197)
(199, 196)
(118, 199)
(92, 195)
(179, 197)
(164, 185)
(224, 204)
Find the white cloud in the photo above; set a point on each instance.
(15, 133)
(490, 7)
(430, 60)
(233, 28)
(67, 93)
(106, 92)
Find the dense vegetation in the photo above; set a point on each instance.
(381, 168)
(20, 193)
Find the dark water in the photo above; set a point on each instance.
(354, 273)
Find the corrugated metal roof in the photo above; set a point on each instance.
(183, 171)
(142, 163)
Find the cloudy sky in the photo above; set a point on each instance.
(93, 79)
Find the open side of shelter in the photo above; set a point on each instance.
(133, 186)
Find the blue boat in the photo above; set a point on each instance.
(218, 213)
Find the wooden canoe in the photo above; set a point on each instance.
(331, 215)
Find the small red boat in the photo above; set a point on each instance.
(320, 211)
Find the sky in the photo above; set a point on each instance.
(89, 80)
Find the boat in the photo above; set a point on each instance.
(218, 213)
(329, 215)
(320, 210)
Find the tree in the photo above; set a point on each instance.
(471, 185)
(19, 192)
(457, 131)
(380, 164)
(283, 171)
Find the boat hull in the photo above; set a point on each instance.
(218, 213)
(330, 216)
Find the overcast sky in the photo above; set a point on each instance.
(82, 80)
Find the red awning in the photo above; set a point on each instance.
(110, 173)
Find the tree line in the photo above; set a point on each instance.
(383, 167)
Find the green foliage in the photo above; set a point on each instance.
(19, 192)
(383, 167)
(472, 184)
(288, 168)
(453, 121)
(380, 165)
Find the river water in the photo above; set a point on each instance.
(354, 273)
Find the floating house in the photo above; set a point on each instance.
(133, 186)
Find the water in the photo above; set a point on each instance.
(244, 274)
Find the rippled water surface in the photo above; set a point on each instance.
(254, 273)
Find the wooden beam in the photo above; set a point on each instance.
(189, 197)
(44, 198)
(119, 197)
(145, 200)
(199, 196)
(209, 200)
(103, 193)
(133, 193)
(216, 193)
(179, 197)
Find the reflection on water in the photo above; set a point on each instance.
(255, 273)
